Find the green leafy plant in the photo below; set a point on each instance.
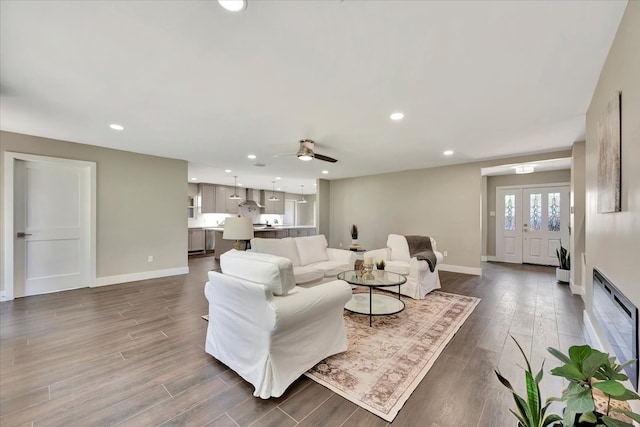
(587, 369)
(354, 232)
(531, 412)
(564, 257)
(381, 264)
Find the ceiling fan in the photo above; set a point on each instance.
(306, 153)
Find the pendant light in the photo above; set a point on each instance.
(235, 196)
(301, 199)
(273, 197)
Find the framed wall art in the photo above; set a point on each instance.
(609, 162)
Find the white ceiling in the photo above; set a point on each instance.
(192, 81)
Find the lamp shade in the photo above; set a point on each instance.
(236, 228)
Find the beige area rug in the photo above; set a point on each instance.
(385, 363)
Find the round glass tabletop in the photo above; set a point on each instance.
(375, 279)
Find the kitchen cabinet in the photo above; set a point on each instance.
(196, 239)
(223, 203)
(299, 232)
(192, 200)
(275, 207)
(208, 198)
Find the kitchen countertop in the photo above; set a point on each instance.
(261, 228)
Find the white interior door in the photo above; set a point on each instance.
(509, 225)
(546, 223)
(51, 227)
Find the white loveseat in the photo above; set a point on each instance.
(420, 279)
(311, 257)
(267, 329)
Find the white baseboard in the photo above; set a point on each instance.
(134, 277)
(492, 258)
(575, 290)
(460, 269)
(3, 296)
(483, 258)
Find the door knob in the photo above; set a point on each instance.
(22, 234)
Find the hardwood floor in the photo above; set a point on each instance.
(133, 355)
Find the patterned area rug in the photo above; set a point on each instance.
(386, 362)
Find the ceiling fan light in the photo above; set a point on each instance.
(304, 153)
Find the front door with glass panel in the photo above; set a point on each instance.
(509, 225)
(546, 211)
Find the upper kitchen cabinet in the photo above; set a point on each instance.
(223, 203)
(192, 200)
(273, 206)
(208, 198)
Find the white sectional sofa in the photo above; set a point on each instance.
(266, 328)
(311, 257)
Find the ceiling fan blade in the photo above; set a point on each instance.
(324, 158)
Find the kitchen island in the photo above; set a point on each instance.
(276, 232)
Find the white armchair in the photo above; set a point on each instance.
(420, 279)
(267, 329)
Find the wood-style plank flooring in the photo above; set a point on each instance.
(133, 355)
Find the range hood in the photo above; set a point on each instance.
(252, 199)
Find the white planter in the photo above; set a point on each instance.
(563, 276)
(354, 242)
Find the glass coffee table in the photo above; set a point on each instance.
(374, 304)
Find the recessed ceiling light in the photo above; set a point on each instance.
(278, 178)
(325, 172)
(233, 5)
(227, 170)
(397, 116)
(448, 152)
(251, 156)
(194, 179)
(116, 126)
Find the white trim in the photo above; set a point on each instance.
(492, 258)
(460, 269)
(144, 275)
(575, 290)
(523, 186)
(2, 296)
(483, 258)
(8, 259)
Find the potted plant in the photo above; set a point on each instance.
(354, 234)
(381, 264)
(530, 410)
(588, 370)
(563, 272)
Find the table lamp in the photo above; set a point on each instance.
(238, 229)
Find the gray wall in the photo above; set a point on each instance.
(613, 239)
(323, 207)
(444, 203)
(559, 176)
(141, 203)
(577, 217)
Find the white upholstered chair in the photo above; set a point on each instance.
(420, 279)
(265, 328)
